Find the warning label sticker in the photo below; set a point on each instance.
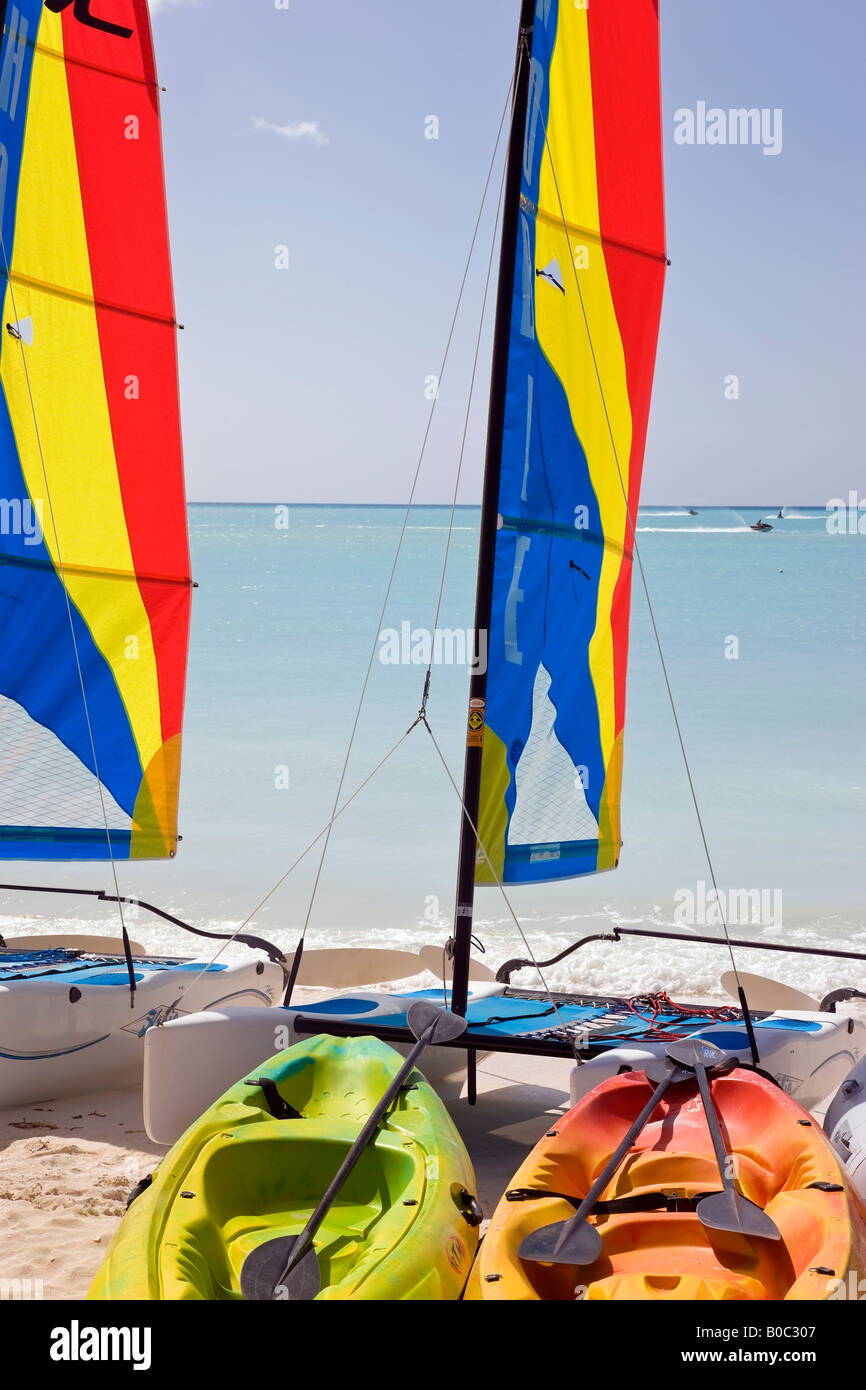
(475, 731)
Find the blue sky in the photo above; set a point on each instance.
(305, 127)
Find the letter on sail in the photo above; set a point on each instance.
(94, 618)
(578, 393)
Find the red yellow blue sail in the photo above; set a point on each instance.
(94, 560)
(587, 291)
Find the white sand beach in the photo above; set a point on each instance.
(66, 1167)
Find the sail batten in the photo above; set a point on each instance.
(30, 282)
(95, 576)
(585, 301)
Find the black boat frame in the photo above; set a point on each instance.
(547, 1044)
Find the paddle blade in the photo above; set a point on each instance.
(434, 1025)
(262, 1274)
(562, 1243)
(728, 1211)
(663, 1069)
(692, 1052)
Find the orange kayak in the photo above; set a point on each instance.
(654, 1245)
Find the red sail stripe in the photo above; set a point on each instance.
(123, 197)
(624, 63)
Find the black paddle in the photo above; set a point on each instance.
(728, 1210)
(287, 1268)
(575, 1242)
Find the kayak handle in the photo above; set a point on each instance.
(468, 1206)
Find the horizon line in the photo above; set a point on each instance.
(476, 506)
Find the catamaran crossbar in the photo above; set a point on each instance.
(505, 971)
(256, 943)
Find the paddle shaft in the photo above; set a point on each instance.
(715, 1131)
(616, 1158)
(370, 1128)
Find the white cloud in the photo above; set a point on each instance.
(295, 130)
(157, 5)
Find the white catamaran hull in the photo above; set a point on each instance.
(807, 1053)
(845, 1123)
(77, 1028)
(191, 1061)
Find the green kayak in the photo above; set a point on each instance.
(254, 1166)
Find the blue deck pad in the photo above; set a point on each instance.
(528, 1016)
(796, 1025)
(734, 1037)
(13, 963)
(509, 1016)
(61, 965)
(605, 1024)
(521, 1016)
(626, 1023)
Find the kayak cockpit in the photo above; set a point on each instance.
(260, 1182)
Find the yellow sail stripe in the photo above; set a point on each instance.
(71, 406)
(568, 185)
(493, 810)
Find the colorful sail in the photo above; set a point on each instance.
(587, 290)
(94, 560)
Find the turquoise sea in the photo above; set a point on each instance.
(763, 636)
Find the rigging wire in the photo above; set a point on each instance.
(406, 515)
(445, 558)
(501, 886)
(76, 653)
(235, 935)
(459, 472)
(336, 813)
(427, 679)
(635, 545)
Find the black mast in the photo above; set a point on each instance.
(462, 937)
